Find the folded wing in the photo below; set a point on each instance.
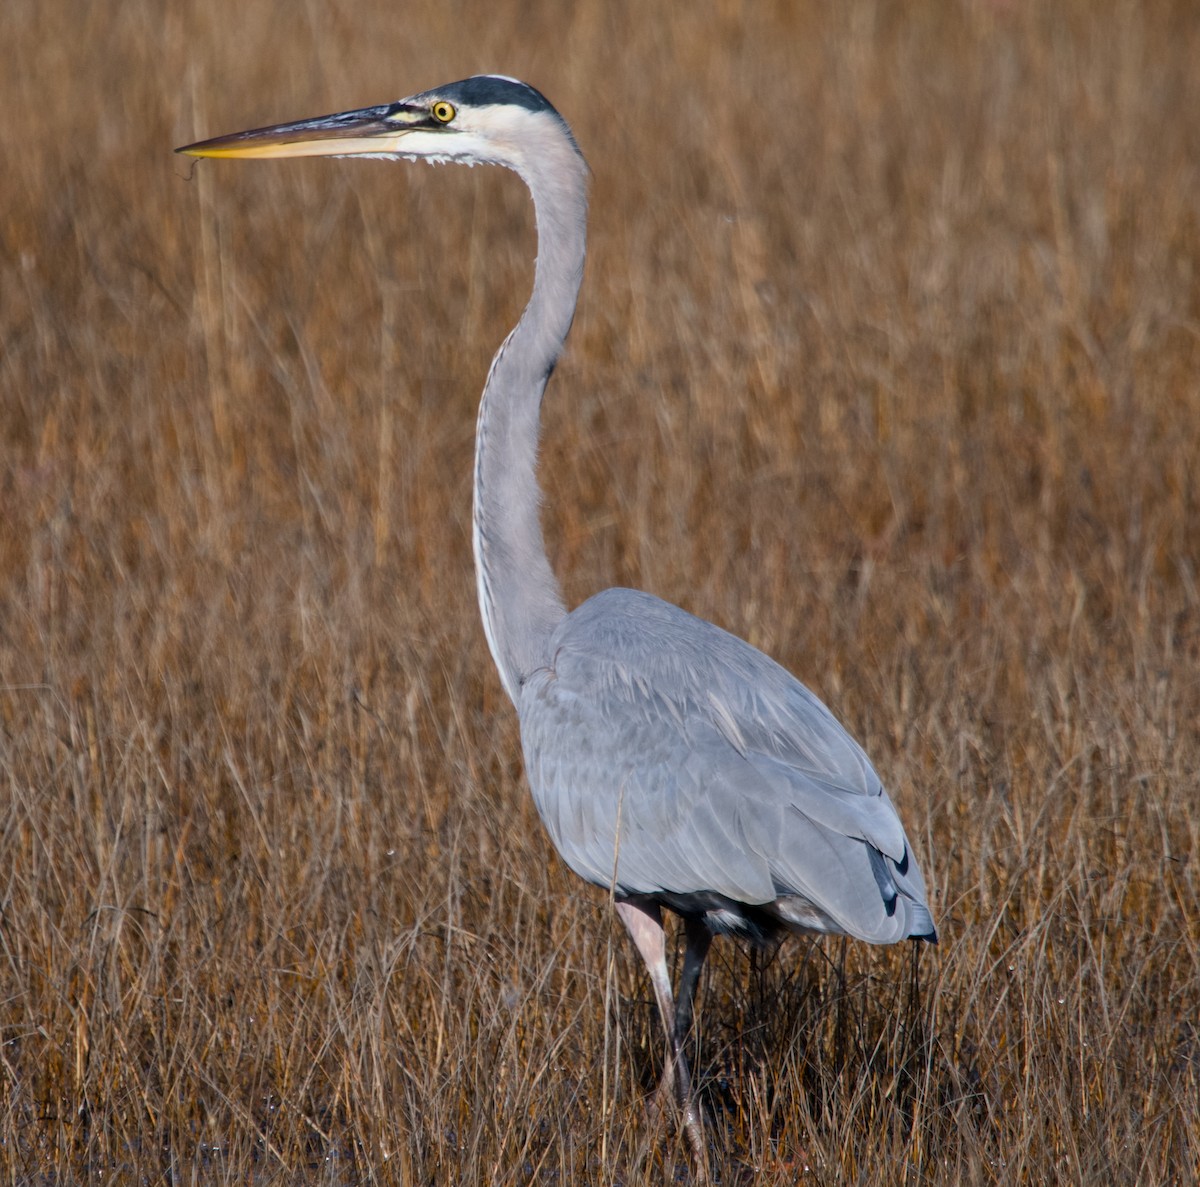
(679, 760)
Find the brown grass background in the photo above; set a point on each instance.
(887, 359)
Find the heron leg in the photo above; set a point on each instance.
(644, 924)
(699, 940)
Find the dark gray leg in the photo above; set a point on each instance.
(699, 939)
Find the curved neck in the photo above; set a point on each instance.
(519, 596)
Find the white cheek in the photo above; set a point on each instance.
(465, 148)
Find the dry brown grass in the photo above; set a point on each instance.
(888, 359)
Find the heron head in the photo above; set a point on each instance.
(487, 119)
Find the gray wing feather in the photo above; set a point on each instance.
(675, 755)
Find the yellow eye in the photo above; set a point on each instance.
(442, 111)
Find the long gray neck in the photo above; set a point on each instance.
(519, 596)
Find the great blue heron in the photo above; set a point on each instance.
(669, 760)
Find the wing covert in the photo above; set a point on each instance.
(674, 754)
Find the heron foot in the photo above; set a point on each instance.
(665, 1101)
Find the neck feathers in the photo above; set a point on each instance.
(519, 596)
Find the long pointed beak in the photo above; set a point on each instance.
(369, 130)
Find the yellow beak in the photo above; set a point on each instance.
(369, 130)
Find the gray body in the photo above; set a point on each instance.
(676, 756)
(670, 761)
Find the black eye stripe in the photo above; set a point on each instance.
(487, 90)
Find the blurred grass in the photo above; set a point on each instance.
(887, 359)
